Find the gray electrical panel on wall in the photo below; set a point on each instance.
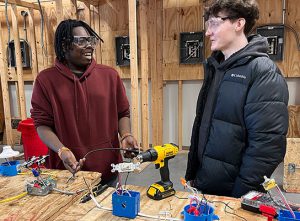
(191, 47)
(122, 51)
(25, 54)
(275, 37)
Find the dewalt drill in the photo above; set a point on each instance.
(160, 156)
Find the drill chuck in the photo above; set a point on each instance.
(149, 155)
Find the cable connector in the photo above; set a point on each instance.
(269, 184)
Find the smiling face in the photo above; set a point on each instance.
(79, 56)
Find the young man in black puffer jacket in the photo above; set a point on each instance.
(239, 133)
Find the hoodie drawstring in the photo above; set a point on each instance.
(87, 104)
(76, 97)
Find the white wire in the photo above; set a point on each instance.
(98, 205)
(158, 217)
(139, 214)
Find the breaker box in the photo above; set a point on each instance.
(191, 47)
(275, 37)
(122, 51)
(25, 54)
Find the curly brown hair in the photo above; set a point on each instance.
(247, 9)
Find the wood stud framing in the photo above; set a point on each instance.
(157, 24)
(20, 85)
(144, 72)
(5, 94)
(133, 67)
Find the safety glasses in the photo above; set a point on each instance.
(84, 41)
(214, 22)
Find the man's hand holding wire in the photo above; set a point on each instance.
(130, 143)
(69, 160)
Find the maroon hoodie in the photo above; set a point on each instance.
(83, 112)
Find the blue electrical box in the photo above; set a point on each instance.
(285, 215)
(126, 204)
(10, 168)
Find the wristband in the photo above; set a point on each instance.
(62, 149)
(125, 135)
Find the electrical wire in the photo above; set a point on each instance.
(276, 203)
(216, 201)
(286, 26)
(14, 197)
(111, 148)
(226, 206)
(8, 29)
(7, 21)
(181, 198)
(126, 180)
(42, 28)
(285, 201)
(69, 192)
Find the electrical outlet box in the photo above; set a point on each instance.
(122, 51)
(275, 37)
(191, 47)
(25, 54)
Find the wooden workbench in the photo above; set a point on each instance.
(56, 206)
(88, 211)
(41, 207)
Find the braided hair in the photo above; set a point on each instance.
(64, 36)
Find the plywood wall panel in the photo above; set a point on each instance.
(170, 51)
(294, 121)
(177, 20)
(291, 178)
(113, 15)
(292, 50)
(190, 19)
(180, 3)
(270, 11)
(170, 23)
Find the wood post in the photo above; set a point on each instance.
(133, 67)
(180, 114)
(155, 34)
(144, 72)
(5, 94)
(21, 92)
(32, 42)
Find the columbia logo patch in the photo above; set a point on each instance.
(238, 76)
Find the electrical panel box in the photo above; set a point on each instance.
(191, 47)
(25, 54)
(275, 37)
(122, 51)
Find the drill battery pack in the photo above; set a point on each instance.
(160, 190)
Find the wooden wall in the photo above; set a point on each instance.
(165, 20)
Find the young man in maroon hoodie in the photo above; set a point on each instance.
(79, 106)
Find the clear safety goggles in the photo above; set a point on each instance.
(214, 22)
(84, 41)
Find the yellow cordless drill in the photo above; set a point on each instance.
(160, 156)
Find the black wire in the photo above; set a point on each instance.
(226, 206)
(181, 198)
(7, 21)
(276, 203)
(215, 201)
(42, 28)
(287, 26)
(126, 179)
(110, 148)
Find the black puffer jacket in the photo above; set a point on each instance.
(239, 133)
